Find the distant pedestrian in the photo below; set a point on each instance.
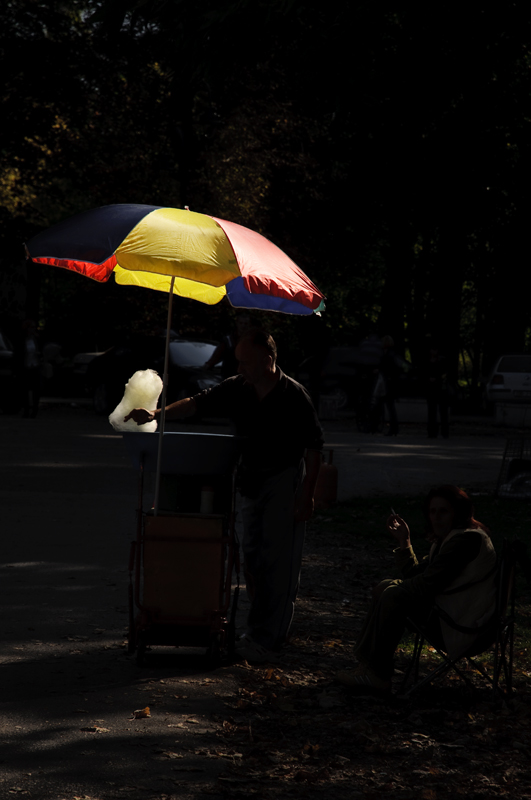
(370, 353)
(28, 367)
(391, 365)
(437, 393)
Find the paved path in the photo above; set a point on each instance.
(68, 688)
(410, 463)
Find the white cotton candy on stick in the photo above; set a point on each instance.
(141, 391)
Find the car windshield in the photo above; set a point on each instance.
(190, 354)
(515, 364)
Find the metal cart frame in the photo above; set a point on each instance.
(181, 565)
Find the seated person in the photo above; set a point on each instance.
(458, 576)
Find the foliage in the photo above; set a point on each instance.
(385, 149)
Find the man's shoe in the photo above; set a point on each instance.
(363, 678)
(254, 653)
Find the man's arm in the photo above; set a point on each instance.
(178, 410)
(304, 499)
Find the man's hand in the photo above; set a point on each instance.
(140, 416)
(178, 410)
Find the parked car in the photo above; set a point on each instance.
(108, 373)
(332, 373)
(510, 380)
(64, 375)
(343, 372)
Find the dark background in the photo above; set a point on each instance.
(385, 147)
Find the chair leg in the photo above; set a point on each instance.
(438, 672)
(506, 655)
(432, 676)
(503, 660)
(414, 666)
(419, 643)
(414, 662)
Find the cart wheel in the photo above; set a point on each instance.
(213, 653)
(140, 652)
(231, 628)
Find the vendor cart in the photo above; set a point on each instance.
(182, 560)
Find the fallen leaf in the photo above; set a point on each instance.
(94, 729)
(140, 713)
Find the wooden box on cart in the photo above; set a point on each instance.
(183, 565)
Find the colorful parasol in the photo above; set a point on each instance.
(209, 258)
(180, 252)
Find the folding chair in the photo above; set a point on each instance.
(497, 634)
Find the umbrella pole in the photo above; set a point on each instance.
(162, 416)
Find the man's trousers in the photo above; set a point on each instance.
(272, 549)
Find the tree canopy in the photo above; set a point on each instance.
(384, 147)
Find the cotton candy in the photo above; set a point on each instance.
(141, 391)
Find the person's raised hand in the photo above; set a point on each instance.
(398, 528)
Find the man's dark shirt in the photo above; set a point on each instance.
(276, 430)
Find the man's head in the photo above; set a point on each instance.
(257, 354)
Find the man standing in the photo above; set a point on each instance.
(282, 440)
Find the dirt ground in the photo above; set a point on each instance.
(69, 687)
